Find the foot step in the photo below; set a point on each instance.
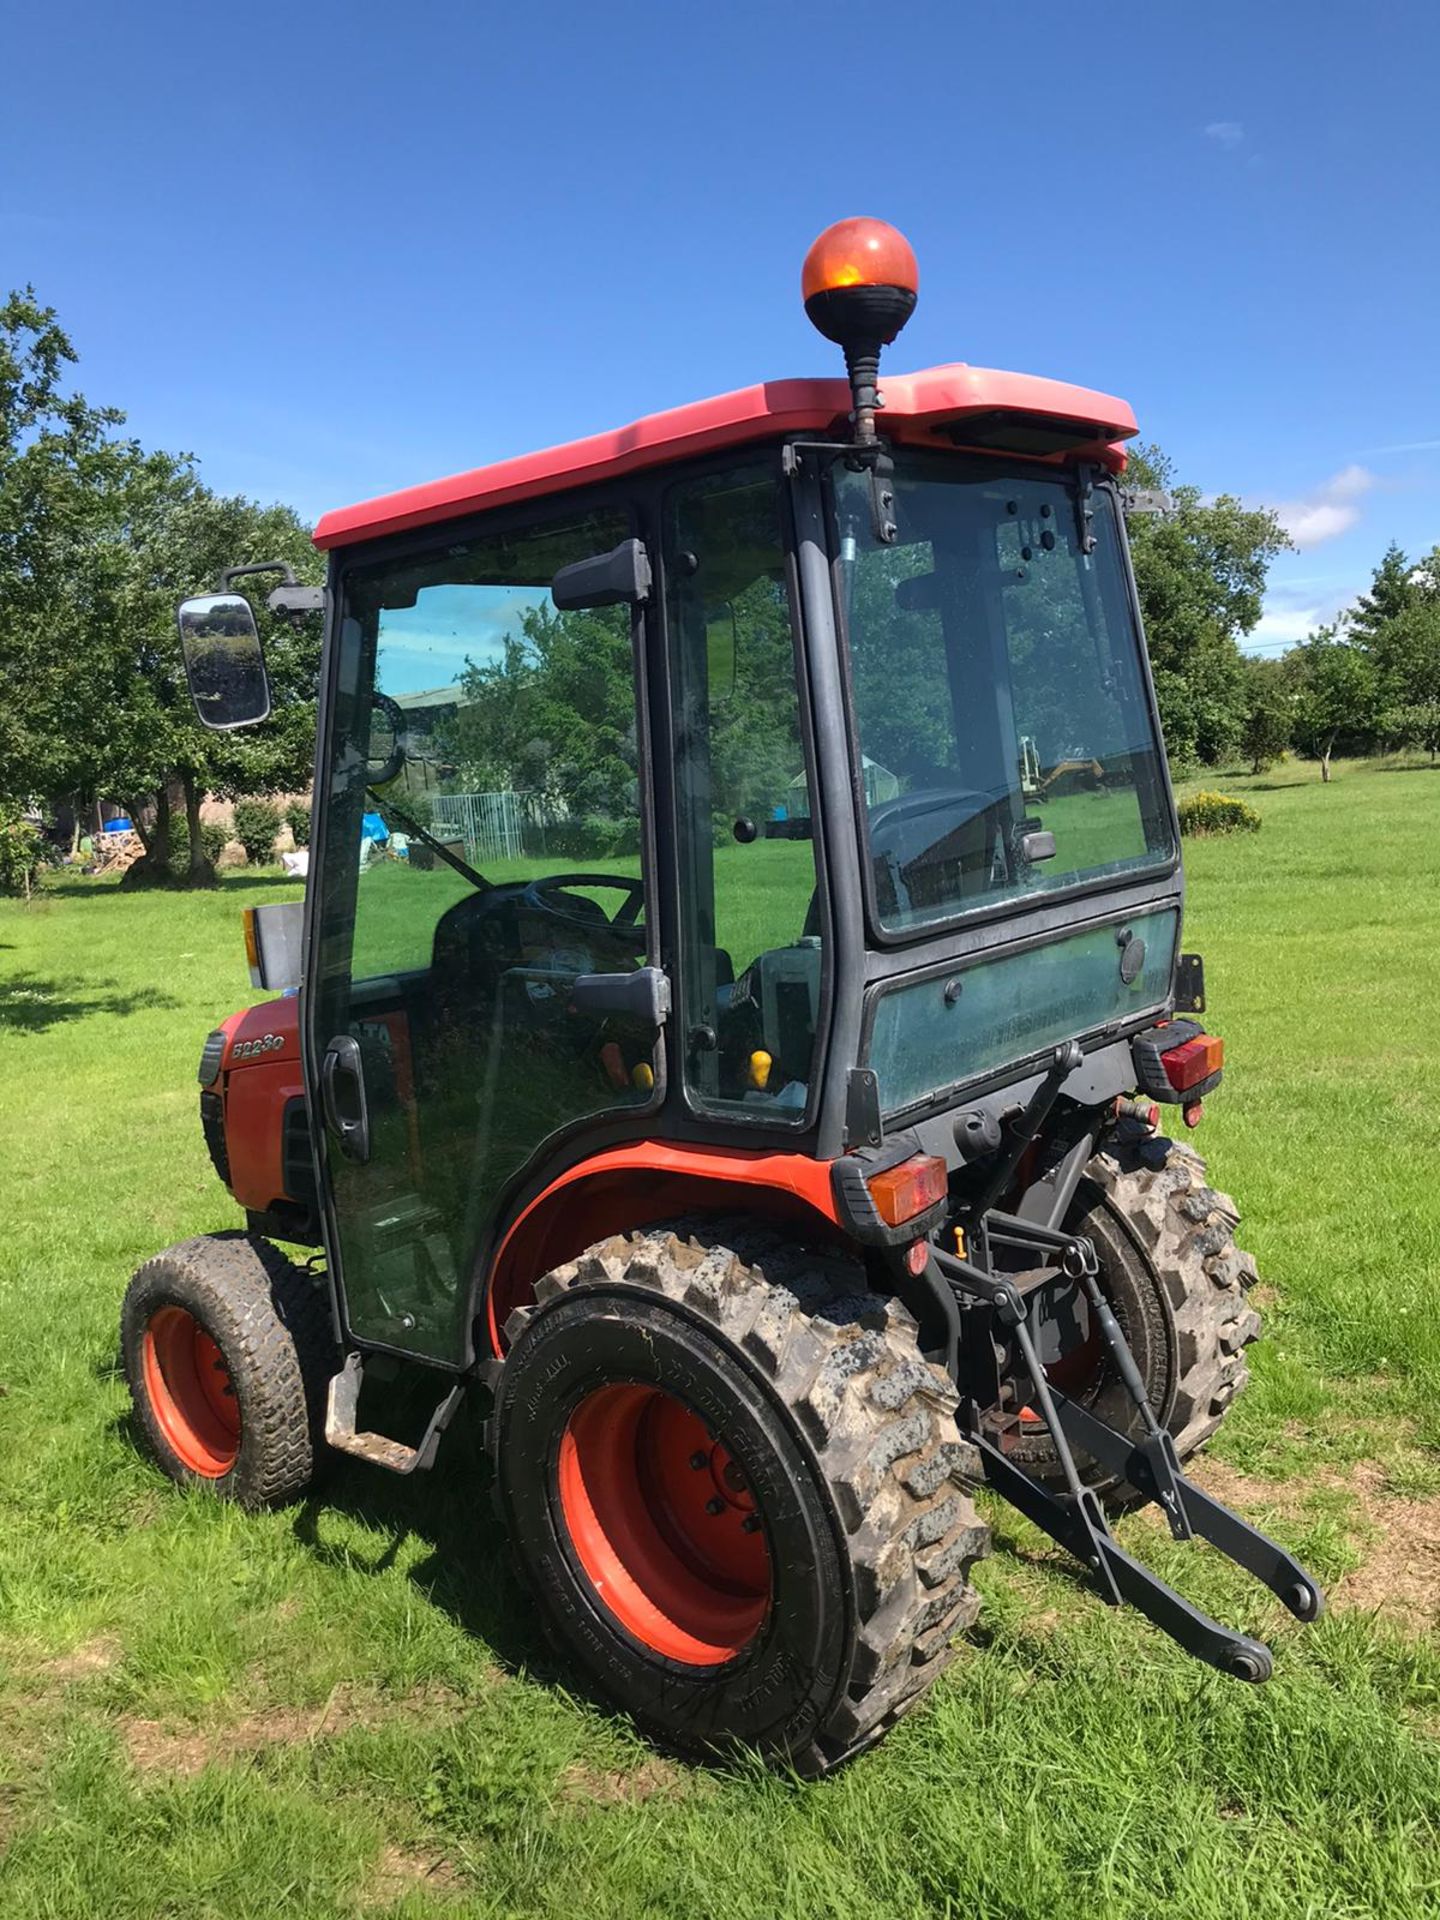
(342, 1406)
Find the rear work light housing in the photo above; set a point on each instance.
(905, 1192)
(1178, 1062)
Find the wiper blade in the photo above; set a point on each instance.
(462, 867)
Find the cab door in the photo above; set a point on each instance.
(479, 977)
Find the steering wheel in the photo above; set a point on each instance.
(910, 806)
(629, 909)
(901, 850)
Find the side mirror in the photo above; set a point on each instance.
(224, 660)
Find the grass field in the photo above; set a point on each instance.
(346, 1708)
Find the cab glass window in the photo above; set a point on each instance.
(752, 954)
(1007, 746)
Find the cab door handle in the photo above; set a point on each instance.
(342, 1091)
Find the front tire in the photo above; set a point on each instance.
(737, 1490)
(228, 1349)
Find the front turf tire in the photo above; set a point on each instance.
(835, 1440)
(228, 1349)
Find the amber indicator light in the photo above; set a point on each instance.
(901, 1192)
(252, 945)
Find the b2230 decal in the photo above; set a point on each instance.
(252, 1049)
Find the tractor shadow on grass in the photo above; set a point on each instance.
(465, 1570)
(30, 1003)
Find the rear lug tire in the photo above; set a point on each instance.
(1178, 1285)
(836, 1468)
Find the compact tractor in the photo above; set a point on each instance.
(737, 990)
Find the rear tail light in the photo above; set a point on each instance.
(1186, 1066)
(909, 1189)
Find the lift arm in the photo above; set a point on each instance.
(1148, 1464)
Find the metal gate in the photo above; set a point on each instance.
(494, 826)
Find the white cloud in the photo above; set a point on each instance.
(1297, 607)
(1282, 627)
(1228, 134)
(1327, 512)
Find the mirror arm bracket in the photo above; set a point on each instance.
(293, 602)
(1085, 505)
(882, 500)
(290, 600)
(282, 567)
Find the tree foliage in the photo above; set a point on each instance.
(554, 715)
(1269, 712)
(1372, 681)
(1336, 692)
(98, 541)
(1201, 575)
(1406, 656)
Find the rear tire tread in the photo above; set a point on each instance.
(1187, 1232)
(879, 1419)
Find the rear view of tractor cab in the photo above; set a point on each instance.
(738, 988)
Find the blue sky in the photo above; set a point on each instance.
(333, 250)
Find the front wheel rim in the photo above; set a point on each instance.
(664, 1524)
(191, 1393)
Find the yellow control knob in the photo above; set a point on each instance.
(642, 1077)
(760, 1065)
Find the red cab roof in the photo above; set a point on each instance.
(931, 408)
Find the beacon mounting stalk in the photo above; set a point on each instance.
(860, 282)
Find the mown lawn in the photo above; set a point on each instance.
(346, 1708)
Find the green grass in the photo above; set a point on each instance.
(346, 1708)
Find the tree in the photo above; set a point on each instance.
(98, 540)
(554, 716)
(1336, 692)
(62, 471)
(191, 534)
(1269, 711)
(1201, 575)
(1406, 651)
(1397, 628)
(1392, 591)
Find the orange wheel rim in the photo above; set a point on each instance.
(664, 1524)
(191, 1392)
